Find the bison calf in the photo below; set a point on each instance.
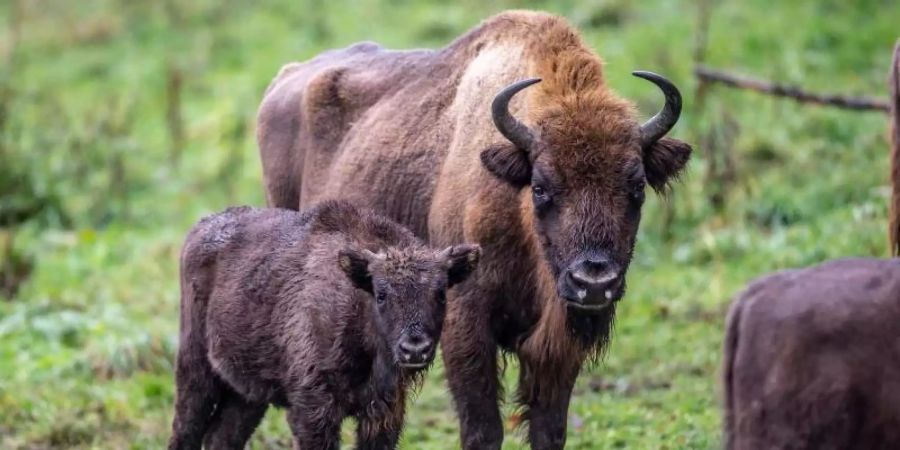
(329, 313)
(812, 359)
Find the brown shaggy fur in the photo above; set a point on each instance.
(277, 308)
(895, 152)
(812, 359)
(410, 133)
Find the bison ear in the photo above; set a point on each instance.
(462, 260)
(664, 161)
(508, 163)
(355, 264)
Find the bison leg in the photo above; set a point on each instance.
(546, 403)
(470, 358)
(198, 390)
(233, 423)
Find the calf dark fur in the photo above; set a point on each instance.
(812, 359)
(330, 313)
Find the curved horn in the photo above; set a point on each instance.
(665, 119)
(517, 132)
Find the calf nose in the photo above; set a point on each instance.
(416, 349)
(593, 281)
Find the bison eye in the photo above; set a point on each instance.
(380, 297)
(638, 193)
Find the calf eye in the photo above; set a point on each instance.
(540, 194)
(380, 297)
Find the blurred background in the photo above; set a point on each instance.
(123, 122)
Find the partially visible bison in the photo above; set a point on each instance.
(509, 137)
(331, 313)
(812, 356)
(812, 359)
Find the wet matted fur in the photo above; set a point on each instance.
(307, 311)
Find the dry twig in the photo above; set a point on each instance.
(861, 103)
(894, 80)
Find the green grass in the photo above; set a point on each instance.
(100, 208)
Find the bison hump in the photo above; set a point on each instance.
(326, 103)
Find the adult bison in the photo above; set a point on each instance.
(549, 182)
(812, 359)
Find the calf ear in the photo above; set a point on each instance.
(462, 260)
(355, 264)
(664, 162)
(508, 163)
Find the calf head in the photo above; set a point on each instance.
(409, 291)
(587, 162)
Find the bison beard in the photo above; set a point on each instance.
(549, 180)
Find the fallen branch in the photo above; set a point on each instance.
(708, 75)
(174, 119)
(894, 80)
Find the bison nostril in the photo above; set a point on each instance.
(596, 265)
(593, 280)
(585, 279)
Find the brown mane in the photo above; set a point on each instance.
(573, 86)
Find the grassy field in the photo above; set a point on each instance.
(122, 123)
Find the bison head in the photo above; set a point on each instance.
(409, 289)
(587, 169)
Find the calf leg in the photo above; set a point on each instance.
(197, 387)
(198, 390)
(470, 358)
(546, 403)
(233, 423)
(315, 422)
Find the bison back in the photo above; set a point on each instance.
(314, 130)
(812, 359)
